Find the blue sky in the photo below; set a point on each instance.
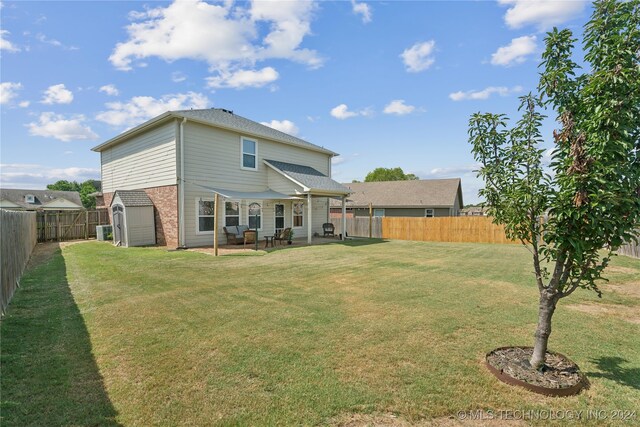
(384, 84)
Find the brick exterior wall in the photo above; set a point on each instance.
(165, 203)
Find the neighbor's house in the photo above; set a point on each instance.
(474, 211)
(419, 198)
(44, 200)
(181, 159)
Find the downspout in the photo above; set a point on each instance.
(181, 186)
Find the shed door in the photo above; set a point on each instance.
(118, 224)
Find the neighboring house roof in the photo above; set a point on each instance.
(474, 210)
(131, 198)
(220, 118)
(307, 177)
(42, 199)
(405, 194)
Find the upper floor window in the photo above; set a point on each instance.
(249, 149)
(429, 213)
(29, 198)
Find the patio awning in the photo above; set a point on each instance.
(268, 194)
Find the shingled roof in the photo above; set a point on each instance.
(221, 118)
(133, 198)
(404, 194)
(308, 177)
(41, 197)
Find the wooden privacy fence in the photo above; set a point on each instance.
(441, 229)
(70, 225)
(467, 229)
(630, 249)
(359, 226)
(17, 241)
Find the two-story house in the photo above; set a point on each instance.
(181, 159)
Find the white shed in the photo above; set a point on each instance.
(133, 220)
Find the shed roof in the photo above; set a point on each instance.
(41, 197)
(308, 177)
(221, 118)
(418, 193)
(132, 198)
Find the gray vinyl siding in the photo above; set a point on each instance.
(404, 212)
(144, 161)
(212, 158)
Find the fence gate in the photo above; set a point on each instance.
(69, 225)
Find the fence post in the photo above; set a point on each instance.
(86, 225)
(370, 218)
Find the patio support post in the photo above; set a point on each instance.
(344, 218)
(309, 219)
(215, 224)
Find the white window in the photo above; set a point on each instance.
(249, 149)
(279, 216)
(429, 213)
(29, 198)
(378, 212)
(298, 214)
(205, 214)
(254, 215)
(231, 213)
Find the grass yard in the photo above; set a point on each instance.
(333, 334)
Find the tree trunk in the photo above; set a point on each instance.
(545, 312)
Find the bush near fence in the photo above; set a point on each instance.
(19, 237)
(458, 229)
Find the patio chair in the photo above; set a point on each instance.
(249, 237)
(329, 229)
(283, 236)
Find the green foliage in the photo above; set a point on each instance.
(389, 174)
(591, 197)
(85, 189)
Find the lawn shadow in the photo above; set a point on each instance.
(611, 369)
(49, 374)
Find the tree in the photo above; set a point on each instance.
(389, 174)
(85, 189)
(591, 197)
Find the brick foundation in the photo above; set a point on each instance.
(165, 203)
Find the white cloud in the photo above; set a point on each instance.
(337, 160)
(419, 57)
(24, 104)
(484, 93)
(57, 94)
(35, 176)
(398, 107)
(285, 126)
(9, 91)
(228, 36)
(544, 14)
(51, 125)
(515, 52)
(53, 42)
(362, 9)
(178, 76)
(6, 44)
(243, 78)
(110, 90)
(341, 112)
(142, 108)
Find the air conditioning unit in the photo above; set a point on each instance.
(104, 232)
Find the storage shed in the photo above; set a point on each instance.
(133, 220)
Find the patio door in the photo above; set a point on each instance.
(278, 217)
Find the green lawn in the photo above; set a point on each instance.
(104, 336)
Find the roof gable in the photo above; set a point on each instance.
(220, 118)
(307, 177)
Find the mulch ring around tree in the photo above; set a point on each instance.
(559, 377)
